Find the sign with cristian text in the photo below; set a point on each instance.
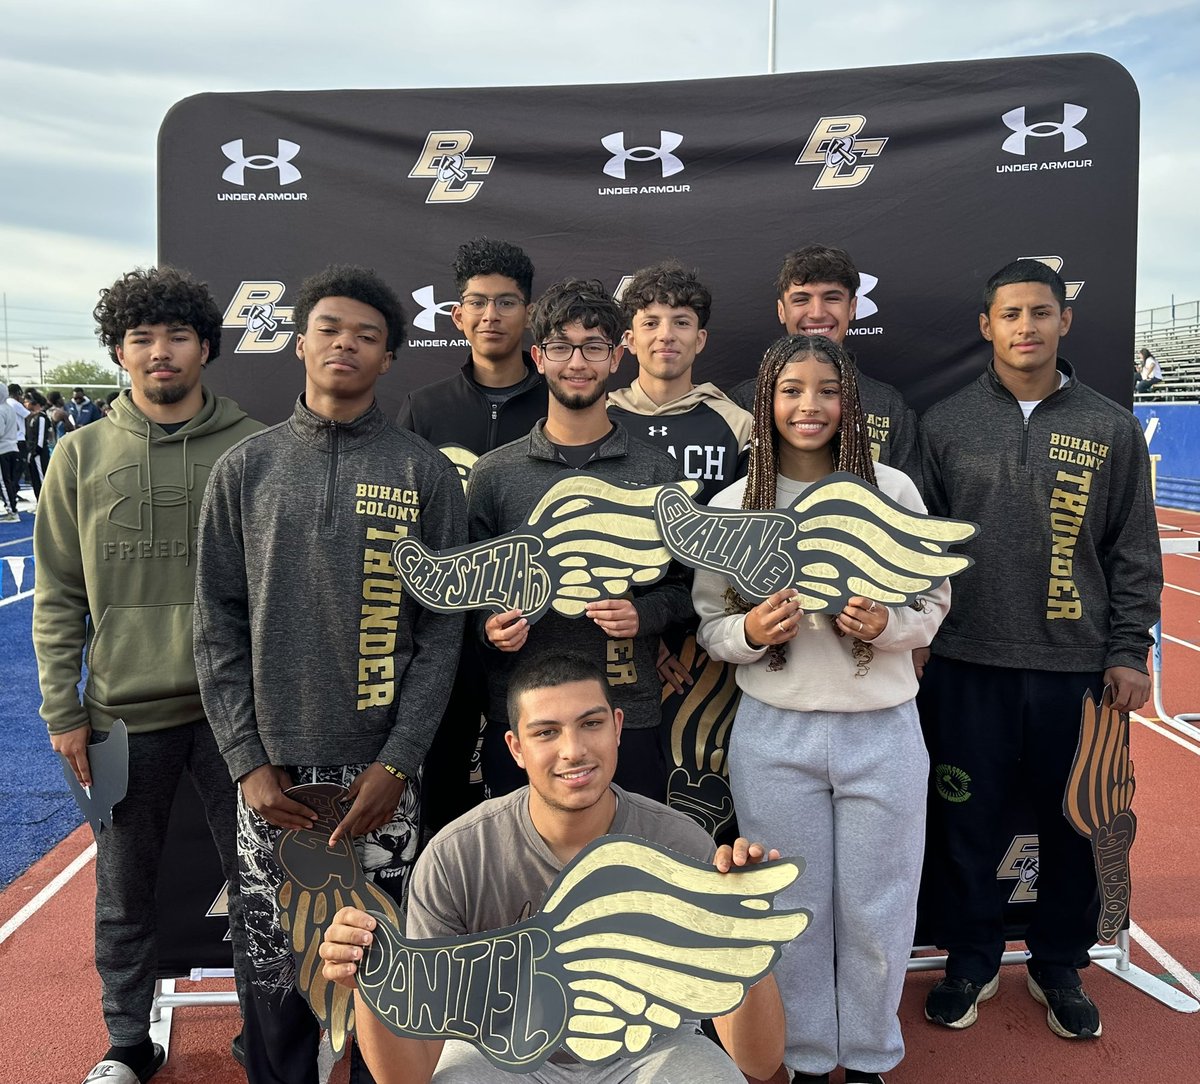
(931, 176)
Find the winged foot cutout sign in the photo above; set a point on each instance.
(1098, 802)
(841, 538)
(632, 940)
(585, 540)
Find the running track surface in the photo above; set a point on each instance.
(49, 996)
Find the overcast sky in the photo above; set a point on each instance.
(85, 86)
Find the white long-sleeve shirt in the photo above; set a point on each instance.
(819, 669)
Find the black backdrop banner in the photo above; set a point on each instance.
(932, 176)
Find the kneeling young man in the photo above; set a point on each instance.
(564, 731)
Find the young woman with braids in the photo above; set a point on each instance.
(826, 752)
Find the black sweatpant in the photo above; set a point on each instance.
(39, 462)
(987, 722)
(10, 472)
(127, 862)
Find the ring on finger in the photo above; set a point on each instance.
(860, 626)
(872, 609)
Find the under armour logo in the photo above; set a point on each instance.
(282, 161)
(668, 143)
(866, 307)
(1073, 139)
(658, 430)
(431, 309)
(135, 495)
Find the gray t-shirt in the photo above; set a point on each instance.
(491, 869)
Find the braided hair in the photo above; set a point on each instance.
(851, 448)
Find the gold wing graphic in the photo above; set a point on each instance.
(678, 940)
(320, 880)
(842, 537)
(463, 459)
(696, 726)
(585, 540)
(631, 941)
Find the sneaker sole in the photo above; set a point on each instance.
(1052, 1020)
(972, 1014)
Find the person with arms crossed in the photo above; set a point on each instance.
(313, 665)
(1064, 589)
(114, 543)
(564, 733)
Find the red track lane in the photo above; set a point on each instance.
(49, 997)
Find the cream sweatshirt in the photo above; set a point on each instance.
(819, 673)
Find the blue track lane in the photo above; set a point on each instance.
(36, 810)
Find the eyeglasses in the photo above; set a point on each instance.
(560, 350)
(506, 304)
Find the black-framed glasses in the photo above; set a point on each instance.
(506, 304)
(559, 350)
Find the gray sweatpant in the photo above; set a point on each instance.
(845, 790)
(684, 1057)
(127, 862)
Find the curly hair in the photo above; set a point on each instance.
(358, 284)
(157, 295)
(667, 283)
(851, 446)
(576, 301)
(817, 263)
(483, 256)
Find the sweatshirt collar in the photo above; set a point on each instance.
(615, 445)
(319, 432)
(531, 377)
(996, 387)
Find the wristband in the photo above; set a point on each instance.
(392, 770)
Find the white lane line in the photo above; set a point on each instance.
(1170, 735)
(34, 905)
(1174, 968)
(16, 598)
(1181, 643)
(1188, 590)
(17, 541)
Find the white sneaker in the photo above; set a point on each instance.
(10, 517)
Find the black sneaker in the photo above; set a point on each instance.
(952, 1002)
(809, 1078)
(238, 1049)
(1070, 1013)
(857, 1076)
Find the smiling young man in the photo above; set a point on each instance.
(564, 734)
(1065, 585)
(577, 329)
(667, 308)
(314, 666)
(114, 546)
(817, 294)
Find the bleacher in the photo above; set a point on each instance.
(1172, 334)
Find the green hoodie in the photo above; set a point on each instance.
(114, 546)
